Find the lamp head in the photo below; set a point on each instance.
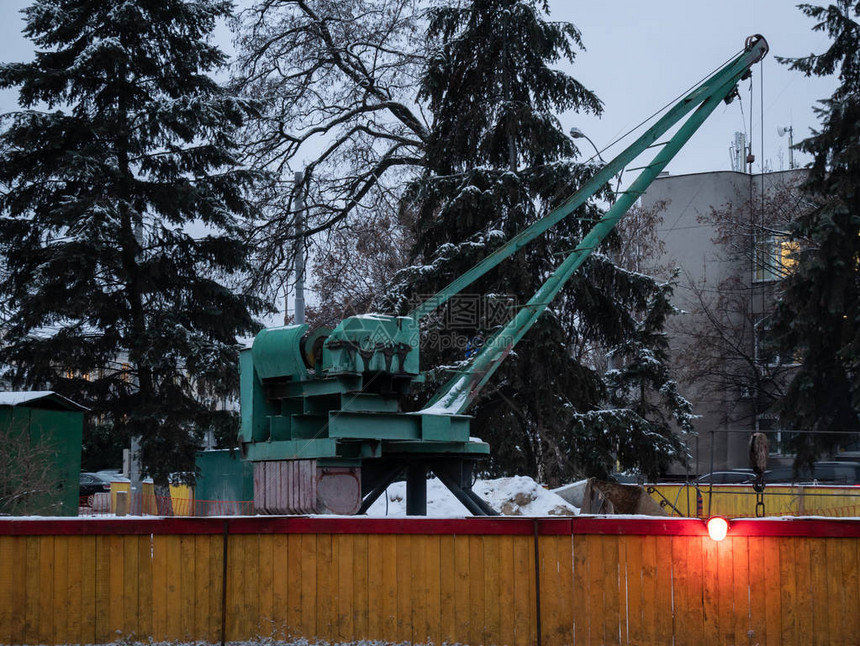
(718, 527)
(576, 133)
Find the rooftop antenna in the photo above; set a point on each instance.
(737, 152)
(781, 131)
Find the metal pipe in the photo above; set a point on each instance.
(300, 250)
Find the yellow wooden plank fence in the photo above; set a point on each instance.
(468, 581)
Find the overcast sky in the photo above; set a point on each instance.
(640, 55)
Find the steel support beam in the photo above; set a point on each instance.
(416, 489)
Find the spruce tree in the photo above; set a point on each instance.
(645, 394)
(124, 147)
(817, 321)
(497, 160)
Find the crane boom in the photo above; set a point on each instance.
(461, 390)
(728, 76)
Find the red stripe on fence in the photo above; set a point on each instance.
(649, 526)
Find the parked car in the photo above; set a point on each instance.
(735, 476)
(93, 483)
(623, 478)
(825, 472)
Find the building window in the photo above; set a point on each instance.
(778, 439)
(766, 356)
(775, 257)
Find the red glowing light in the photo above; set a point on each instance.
(717, 528)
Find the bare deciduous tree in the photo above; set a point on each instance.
(726, 349)
(28, 475)
(641, 246)
(354, 263)
(337, 80)
(724, 354)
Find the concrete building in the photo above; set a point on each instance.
(725, 232)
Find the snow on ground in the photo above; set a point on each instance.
(517, 496)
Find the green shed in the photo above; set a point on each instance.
(41, 433)
(223, 477)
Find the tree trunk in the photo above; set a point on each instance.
(163, 501)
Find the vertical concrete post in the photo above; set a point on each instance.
(121, 503)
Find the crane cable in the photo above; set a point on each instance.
(667, 106)
(597, 153)
(761, 129)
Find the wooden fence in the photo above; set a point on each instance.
(469, 581)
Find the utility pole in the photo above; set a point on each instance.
(789, 130)
(299, 317)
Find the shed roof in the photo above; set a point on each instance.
(39, 399)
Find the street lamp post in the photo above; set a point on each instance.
(576, 133)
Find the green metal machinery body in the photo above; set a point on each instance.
(321, 415)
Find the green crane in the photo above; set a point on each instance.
(321, 417)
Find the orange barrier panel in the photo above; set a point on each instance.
(470, 581)
(181, 501)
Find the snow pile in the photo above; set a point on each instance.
(517, 496)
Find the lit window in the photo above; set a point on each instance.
(787, 254)
(775, 257)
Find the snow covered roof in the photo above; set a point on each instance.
(45, 399)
